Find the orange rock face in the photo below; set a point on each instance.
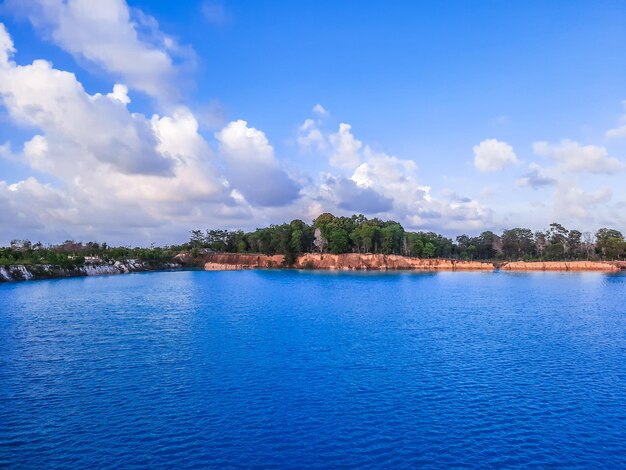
(235, 261)
(375, 262)
(343, 262)
(561, 266)
(356, 261)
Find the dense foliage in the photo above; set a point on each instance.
(331, 234)
(70, 254)
(357, 234)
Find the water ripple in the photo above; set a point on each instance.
(306, 369)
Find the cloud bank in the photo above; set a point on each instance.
(101, 170)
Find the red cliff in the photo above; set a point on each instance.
(377, 262)
(343, 262)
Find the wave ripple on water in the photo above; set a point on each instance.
(311, 369)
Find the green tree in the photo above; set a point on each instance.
(609, 243)
(429, 250)
(517, 243)
(338, 240)
(392, 236)
(414, 244)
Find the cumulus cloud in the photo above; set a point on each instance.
(109, 165)
(54, 102)
(382, 184)
(348, 195)
(7, 49)
(120, 93)
(310, 136)
(535, 178)
(376, 183)
(493, 155)
(124, 42)
(574, 157)
(112, 172)
(253, 169)
(345, 148)
(573, 201)
(320, 110)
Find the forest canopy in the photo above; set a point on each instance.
(358, 234)
(332, 234)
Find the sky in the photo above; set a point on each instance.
(134, 122)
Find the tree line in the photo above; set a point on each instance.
(358, 234)
(336, 235)
(70, 253)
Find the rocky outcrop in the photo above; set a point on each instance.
(46, 271)
(608, 266)
(10, 273)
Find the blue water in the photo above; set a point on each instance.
(314, 369)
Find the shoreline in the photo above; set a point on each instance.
(308, 261)
(376, 262)
(38, 272)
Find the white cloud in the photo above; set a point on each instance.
(535, 178)
(53, 101)
(390, 187)
(120, 93)
(253, 168)
(345, 148)
(572, 201)
(320, 110)
(493, 155)
(620, 130)
(346, 194)
(617, 131)
(382, 184)
(105, 32)
(310, 136)
(7, 49)
(574, 157)
(113, 170)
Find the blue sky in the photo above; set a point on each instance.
(450, 116)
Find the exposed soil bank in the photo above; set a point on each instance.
(356, 261)
(608, 266)
(343, 262)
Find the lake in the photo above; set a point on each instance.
(279, 369)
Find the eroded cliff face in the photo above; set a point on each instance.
(343, 262)
(606, 266)
(235, 261)
(376, 262)
(356, 261)
(45, 271)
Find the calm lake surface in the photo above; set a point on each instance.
(314, 369)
